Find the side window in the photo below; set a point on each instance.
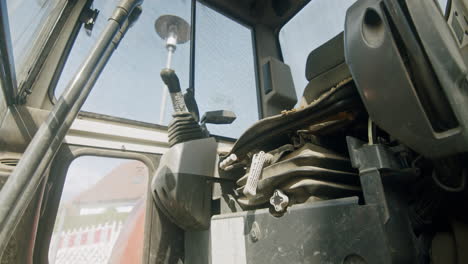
(225, 70)
(318, 22)
(130, 86)
(443, 5)
(30, 23)
(101, 212)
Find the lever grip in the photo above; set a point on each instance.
(170, 78)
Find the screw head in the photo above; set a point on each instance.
(255, 232)
(279, 200)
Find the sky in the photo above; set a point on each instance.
(85, 171)
(318, 22)
(26, 18)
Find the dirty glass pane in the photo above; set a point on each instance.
(30, 23)
(130, 86)
(224, 70)
(318, 22)
(443, 5)
(101, 213)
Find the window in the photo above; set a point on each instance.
(30, 23)
(130, 86)
(318, 22)
(225, 70)
(101, 211)
(443, 5)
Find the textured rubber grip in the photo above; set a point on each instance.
(255, 172)
(170, 78)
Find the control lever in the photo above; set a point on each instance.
(183, 126)
(218, 117)
(171, 80)
(174, 30)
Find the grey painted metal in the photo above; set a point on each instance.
(7, 65)
(196, 247)
(372, 161)
(181, 187)
(320, 232)
(23, 182)
(278, 87)
(369, 159)
(400, 100)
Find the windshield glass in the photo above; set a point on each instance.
(225, 70)
(318, 22)
(130, 85)
(101, 214)
(30, 24)
(443, 5)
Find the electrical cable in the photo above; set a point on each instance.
(448, 188)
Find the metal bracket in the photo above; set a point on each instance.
(369, 160)
(371, 157)
(88, 17)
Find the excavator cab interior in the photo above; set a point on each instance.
(234, 132)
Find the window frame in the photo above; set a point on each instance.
(21, 86)
(254, 50)
(278, 29)
(258, 89)
(56, 181)
(8, 72)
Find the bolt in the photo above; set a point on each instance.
(226, 164)
(279, 200)
(255, 232)
(232, 201)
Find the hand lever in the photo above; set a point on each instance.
(171, 80)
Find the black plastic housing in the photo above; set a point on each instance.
(182, 187)
(410, 73)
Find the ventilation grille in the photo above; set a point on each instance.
(9, 162)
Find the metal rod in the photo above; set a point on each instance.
(170, 52)
(23, 182)
(193, 20)
(162, 110)
(7, 65)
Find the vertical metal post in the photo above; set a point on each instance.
(193, 21)
(174, 30)
(7, 65)
(162, 110)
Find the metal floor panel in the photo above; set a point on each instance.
(321, 232)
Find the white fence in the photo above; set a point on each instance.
(84, 245)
